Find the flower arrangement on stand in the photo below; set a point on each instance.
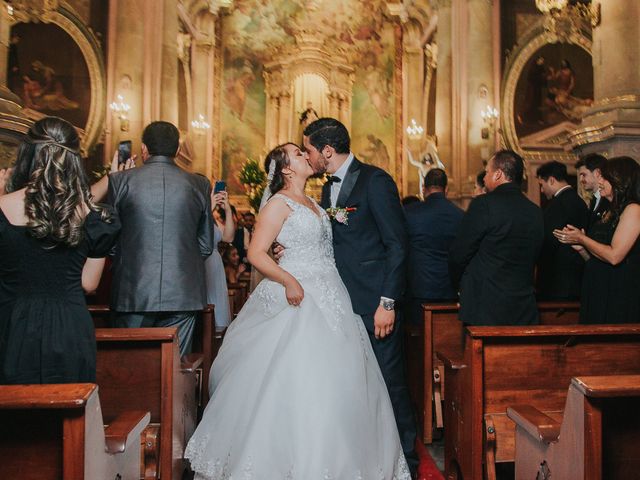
(254, 181)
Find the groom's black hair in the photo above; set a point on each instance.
(328, 131)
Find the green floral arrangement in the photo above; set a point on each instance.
(255, 181)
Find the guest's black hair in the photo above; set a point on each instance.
(436, 177)
(161, 138)
(592, 161)
(511, 165)
(553, 169)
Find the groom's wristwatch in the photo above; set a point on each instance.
(387, 303)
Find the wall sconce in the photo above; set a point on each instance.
(200, 125)
(120, 109)
(415, 131)
(489, 116)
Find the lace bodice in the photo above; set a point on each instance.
(307, 239)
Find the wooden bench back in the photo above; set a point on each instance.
(533, 365)
(444, 333)
(57, 431)
(598, 436)
(141, 367)
(135, 369)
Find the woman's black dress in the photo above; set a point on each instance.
(610, 294)
(46, 332)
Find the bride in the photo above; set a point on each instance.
(297, 393)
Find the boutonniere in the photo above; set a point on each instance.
(339, 214)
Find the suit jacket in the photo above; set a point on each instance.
(560, 266)
(493, 258)
(371, 250)
(433, 226)
(167, 229)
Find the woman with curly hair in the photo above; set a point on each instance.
(610, 287)
(53, 240)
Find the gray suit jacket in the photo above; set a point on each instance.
(167, 229)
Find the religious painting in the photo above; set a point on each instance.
(51, 76)
(257, 33)
(373, 109)
(556, 86)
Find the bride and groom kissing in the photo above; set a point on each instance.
(309, 382)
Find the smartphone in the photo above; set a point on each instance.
(220, 186)
(124, 151)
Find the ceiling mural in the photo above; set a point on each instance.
(264, 28)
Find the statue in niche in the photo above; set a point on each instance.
(308, 116)
(428, 160)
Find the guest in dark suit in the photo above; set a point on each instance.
(589, 170)
(560, 266)
(167, 231)
(433, 226)
(370, 252)
(494, 254)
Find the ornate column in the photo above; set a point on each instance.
(168, 94)
(481, 89)
(125, 66)
(413, 99)
(284, 117)
(612, 125)
(444, 88)
(203, 74)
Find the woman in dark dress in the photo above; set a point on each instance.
(52, 242)
(610, 285)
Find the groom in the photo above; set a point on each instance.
(370, 250)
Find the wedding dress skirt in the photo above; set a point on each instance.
(297, 393)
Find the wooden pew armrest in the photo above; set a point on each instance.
(125, 429)
(191, 362)
(451, 362)
(536, 423)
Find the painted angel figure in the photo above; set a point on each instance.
(428, 160)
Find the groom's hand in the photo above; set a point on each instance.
(383, 321)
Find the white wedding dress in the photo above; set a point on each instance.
(297, 393)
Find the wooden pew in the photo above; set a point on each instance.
(240, 294)
(51, 432)
(445, 334)
(206, 341)
(141, 368)
(505, 366)
(598, 438)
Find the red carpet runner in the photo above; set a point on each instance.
(427, 469)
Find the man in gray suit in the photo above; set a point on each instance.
(167, 231)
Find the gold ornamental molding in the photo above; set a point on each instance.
(536, 38)
(62, 15)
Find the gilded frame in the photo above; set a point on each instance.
(537, 37)
(64, 17)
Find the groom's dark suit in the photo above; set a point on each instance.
(370, 253)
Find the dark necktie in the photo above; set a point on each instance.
(333, 179)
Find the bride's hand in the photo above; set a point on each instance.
(294, 292)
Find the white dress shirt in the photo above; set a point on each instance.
(340, 173)
(597, 196)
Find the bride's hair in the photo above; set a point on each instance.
(281, 158)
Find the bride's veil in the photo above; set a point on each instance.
(256, 276)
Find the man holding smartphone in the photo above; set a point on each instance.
(167, 231)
